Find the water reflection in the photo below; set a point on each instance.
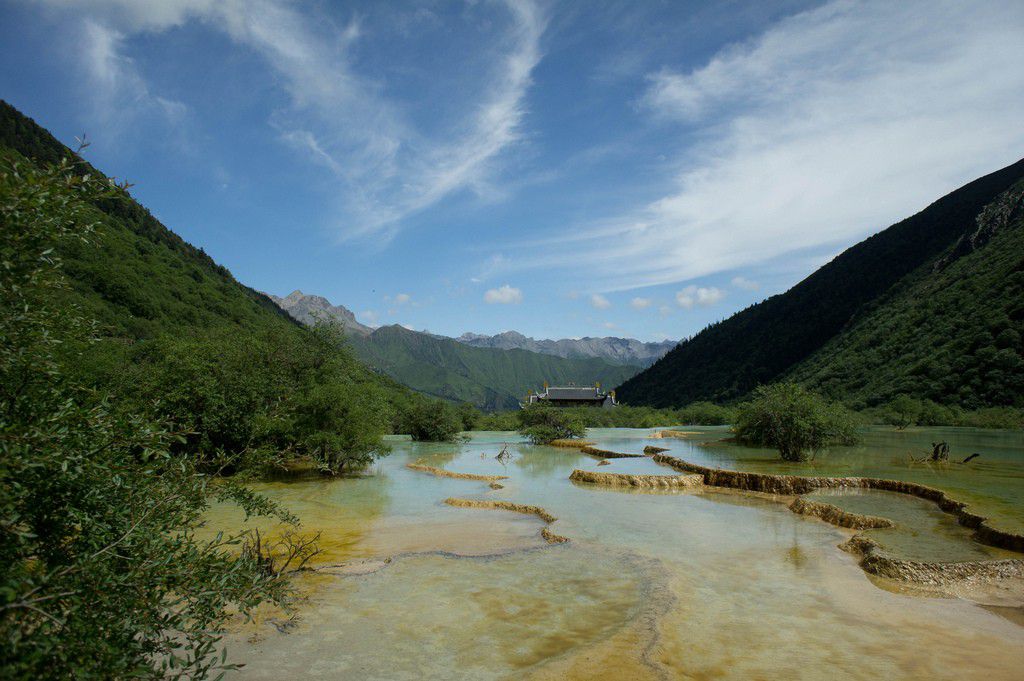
(710, 584)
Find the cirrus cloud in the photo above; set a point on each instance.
(829, 126)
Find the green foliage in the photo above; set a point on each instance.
(903, 411)
(101, 574)
(251, 400)
(542, 424)
(706, 414)
(912, 310)
(469, 415)
(909, 412)
(429, 420)
(488, 378)
(796, 422)
(178, 337)
(625, 416)
(949, 333)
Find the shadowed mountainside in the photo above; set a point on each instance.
(862, 313)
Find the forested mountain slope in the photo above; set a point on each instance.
(489, 378)
(135, 275)
(950, 332)
(770, 339)
(144, 284)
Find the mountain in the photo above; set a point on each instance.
(617, 350)
(931, 307)
(140, 281)
(490, 378)
(490, 372)
(307, 309)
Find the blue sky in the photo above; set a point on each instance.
(559, 168)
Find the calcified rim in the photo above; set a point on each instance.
(442, 473)
(874, 560)
(607, 454)
(549, 536)
(637, 481)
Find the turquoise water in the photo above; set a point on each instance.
(993, 483)
(670, 584)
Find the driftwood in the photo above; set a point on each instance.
(289, 553)
(504, 455)
(940, 454)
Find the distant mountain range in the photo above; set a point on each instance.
(307, 309)
(617, 350)
(490, 378)
(932, 307)
(491, 372)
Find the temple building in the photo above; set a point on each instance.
(573, 396)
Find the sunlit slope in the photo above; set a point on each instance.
(770, 340)
(950, 332)
(487, 377)
(140, 280)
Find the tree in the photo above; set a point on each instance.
(796, 422)
(543, 423)
(903, 411)
(101, 572)
(430, 420)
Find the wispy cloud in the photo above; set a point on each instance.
(503, 295)
(385, 167)
(640, 303)
(745, 284)
(600, 302)
(119, 93)
(832, 124)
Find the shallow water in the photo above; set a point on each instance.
(993, 484)
(668, 584)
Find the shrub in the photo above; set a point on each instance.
(430, 420)
(903, 411)
(470, 416)
(794, 421)
(541, 424)
(706, 414)
(246, 401)
(101, 574)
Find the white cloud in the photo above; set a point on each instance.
(118, 92)
(402, 299)
(698, 295)
(610, 325)
(831, 125)
(503, 295)
(370, 318)
(640, 303)
(600, 302)
(386, 167)
(745, 284)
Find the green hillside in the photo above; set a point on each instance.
(949, 332)
(772, 339)
(134, 275)
(489, 378)
(180, 337)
